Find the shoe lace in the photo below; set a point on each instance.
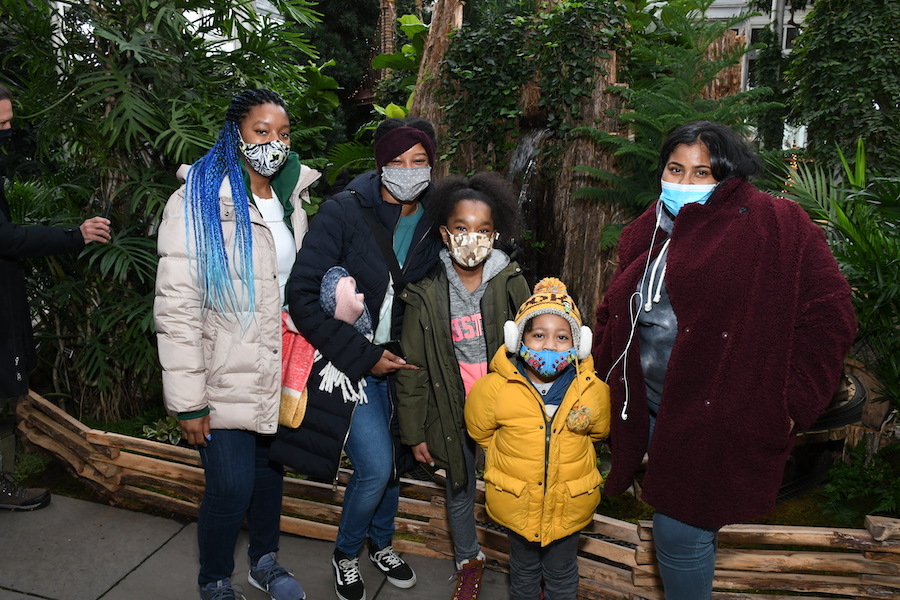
(467, 583)
(10, 487)
(387, 557)
(349, 570)
(272, 573)
(228, 592)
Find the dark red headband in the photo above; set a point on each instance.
(397, 141)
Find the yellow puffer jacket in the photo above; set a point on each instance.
(540, 476)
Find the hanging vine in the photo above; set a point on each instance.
(558, 49)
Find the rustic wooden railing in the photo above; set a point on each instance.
(755, 562)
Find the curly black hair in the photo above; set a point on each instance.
(487, 187)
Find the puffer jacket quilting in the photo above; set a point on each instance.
(218, 360)
(541, 478)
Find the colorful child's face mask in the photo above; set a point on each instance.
(547, 363)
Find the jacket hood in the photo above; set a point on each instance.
(367, 187)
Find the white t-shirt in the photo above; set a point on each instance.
(285, 248)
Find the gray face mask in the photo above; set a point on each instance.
(405, 183)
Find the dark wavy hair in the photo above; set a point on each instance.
(488, 187)
(729, 155)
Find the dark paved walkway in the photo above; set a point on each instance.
(78, 550)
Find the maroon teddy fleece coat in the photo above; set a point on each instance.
(764, 323)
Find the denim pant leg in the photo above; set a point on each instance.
(686, 556)
(371, 498)
(264, 514)
(559, 562)
(461, 508)
(525, 571)
(228, 463)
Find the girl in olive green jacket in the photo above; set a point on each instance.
(453, 321)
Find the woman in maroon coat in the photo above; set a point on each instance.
(723, 332)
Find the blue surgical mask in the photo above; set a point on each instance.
(676, 195)
(547, 363)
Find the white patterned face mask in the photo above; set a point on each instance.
(405, 183)
(265, 158)
(470, 249)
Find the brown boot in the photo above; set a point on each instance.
(15, 497)
(468, 580)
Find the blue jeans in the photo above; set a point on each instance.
(241, 482)
(373, 494)
(556, 564)
(461, 508)
(686, 556)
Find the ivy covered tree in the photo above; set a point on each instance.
(770, 65)
(116, 94)
(845, 81)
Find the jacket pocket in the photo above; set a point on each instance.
(580, 498)
(216, 367)
(506, 497)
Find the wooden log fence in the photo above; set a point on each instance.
(616, 558)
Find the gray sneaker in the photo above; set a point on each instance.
(221, 590)
(270, 577)
(15, 497)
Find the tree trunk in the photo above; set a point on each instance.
(384, 44)
(446, 19)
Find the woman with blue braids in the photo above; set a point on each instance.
(227, 242)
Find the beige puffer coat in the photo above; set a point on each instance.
(214, 360)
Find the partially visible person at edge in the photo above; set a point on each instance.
(227, 243)
(390, 203)
(722, 334)
(17, 349)
(537, 415)
(452, 324)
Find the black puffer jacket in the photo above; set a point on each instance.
(17, 351)
(339, 235)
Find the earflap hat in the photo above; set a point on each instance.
(550, 297)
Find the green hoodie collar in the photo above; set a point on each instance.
(283, 184)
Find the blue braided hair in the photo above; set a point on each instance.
(202, 217)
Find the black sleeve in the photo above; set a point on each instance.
(29, 241)
(323, 248)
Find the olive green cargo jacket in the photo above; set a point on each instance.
(431, 399)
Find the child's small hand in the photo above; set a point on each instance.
(421, 454)
(389, 363)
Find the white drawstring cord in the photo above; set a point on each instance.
(651, 297)
(634, 316)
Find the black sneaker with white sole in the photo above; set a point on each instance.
(394, 568)
(348, 581)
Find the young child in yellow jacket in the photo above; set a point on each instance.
(537, 414)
